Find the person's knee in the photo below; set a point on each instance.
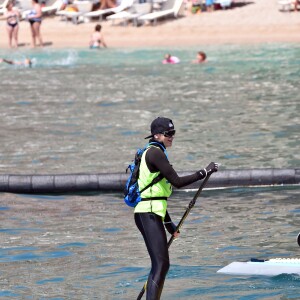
(163, 267)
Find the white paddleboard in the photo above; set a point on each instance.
(272, 267)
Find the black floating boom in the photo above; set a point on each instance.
(74, 183)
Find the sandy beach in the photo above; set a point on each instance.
(253, 22)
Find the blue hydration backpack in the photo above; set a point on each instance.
(132, 194)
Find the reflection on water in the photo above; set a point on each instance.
(87, 247)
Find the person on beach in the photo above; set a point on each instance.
(27, 62)
(201, 58)
(35, 20)
(169, 59)
(151, 214)
(104, 4)
(196, 6)
(295, 4)
(209, 5)
(12, 24)
(97, 38)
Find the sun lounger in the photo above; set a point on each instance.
(132, 14)
(285, 5)
(168, 8)
(53, 7)
(3, 7)
(223, 3)
(82, 6)
(103, 12)
(24, 6)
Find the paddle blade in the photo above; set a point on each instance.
(298, 239)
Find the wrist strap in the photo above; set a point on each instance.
(202, 173)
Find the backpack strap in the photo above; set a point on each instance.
(158, 178)
(154, 198)
(159, 145)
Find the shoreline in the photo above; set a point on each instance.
(258, 22)
(156, 37)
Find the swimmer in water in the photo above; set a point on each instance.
(169, 59)
(201, 58)
(26, 63)
(97, 38)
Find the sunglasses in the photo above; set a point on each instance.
(169, 133)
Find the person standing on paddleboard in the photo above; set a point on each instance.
(150, 214)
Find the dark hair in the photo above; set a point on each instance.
(202, 54)
(28, 62)
(98, 27)
(10, 2)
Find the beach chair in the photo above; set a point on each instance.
(132, 14)
(168, 8)
(24, 6)
(83, 8)
(52, 7)
(100, 13)
(224, 3)
(3, 6)
(285, 5)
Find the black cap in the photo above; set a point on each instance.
(160, 125)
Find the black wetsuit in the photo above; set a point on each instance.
(151, 225)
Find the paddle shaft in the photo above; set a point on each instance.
(191, 205)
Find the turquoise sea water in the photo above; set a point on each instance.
(87, 247)
(87, 111)
(240, 108)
